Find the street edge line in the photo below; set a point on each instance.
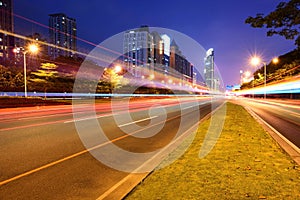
(290, 148)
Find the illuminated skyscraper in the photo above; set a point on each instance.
(6, 24)
(138, 51)
(62, 34)
(179, 63)
(209, 69)
(167, 42)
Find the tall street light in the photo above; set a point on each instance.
(256, 61)
(32, 48)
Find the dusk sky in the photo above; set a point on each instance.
(215, 24)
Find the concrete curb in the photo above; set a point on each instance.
(284, 143)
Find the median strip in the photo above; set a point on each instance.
(246, 163)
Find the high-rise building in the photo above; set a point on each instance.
(167, 45)
(138, 51)
(158, 48)
(179, 63)
(62, 34)
(209, 69)
(6, 24)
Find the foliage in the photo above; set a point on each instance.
(11, 80)
(110, 80)
(44, 76)
(288, 66)
(284, 21)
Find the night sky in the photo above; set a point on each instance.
(215, 24)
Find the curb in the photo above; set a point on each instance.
(292, 150)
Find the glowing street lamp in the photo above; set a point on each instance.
(118, 69)
(275, 60)
(256, 61)
(32, 48)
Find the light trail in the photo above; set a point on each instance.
(283, 87)
(85, 95)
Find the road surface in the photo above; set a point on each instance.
(283, 115)
(43, 157)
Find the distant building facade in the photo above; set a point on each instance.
(179, 63)
(158, 48)
(167, 45)
(62, 34)
(153, 56)
(138, 51)
(6, 24)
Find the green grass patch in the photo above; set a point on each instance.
(246, 163)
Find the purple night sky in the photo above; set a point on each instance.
(215, 24)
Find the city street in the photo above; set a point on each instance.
(138, 100)
(43, 156)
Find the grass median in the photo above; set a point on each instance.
(246, 163)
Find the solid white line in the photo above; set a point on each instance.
(277, 132)
(141, 120)
(88, 118)
(188, 107)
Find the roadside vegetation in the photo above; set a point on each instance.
(287, 68)
(284, 21)
(246, 163)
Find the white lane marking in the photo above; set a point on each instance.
(188, 107)
(88, 118)
(141, 120)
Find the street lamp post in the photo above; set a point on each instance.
(265, 76)
(256, 61)
(32, 48)
(25, 75)
(241, 77)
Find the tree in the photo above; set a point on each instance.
(284, 21)
(111, 79)
(45, 76)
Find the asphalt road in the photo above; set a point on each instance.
(44, 157)
(284, 116)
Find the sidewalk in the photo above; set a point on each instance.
(246, 163)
